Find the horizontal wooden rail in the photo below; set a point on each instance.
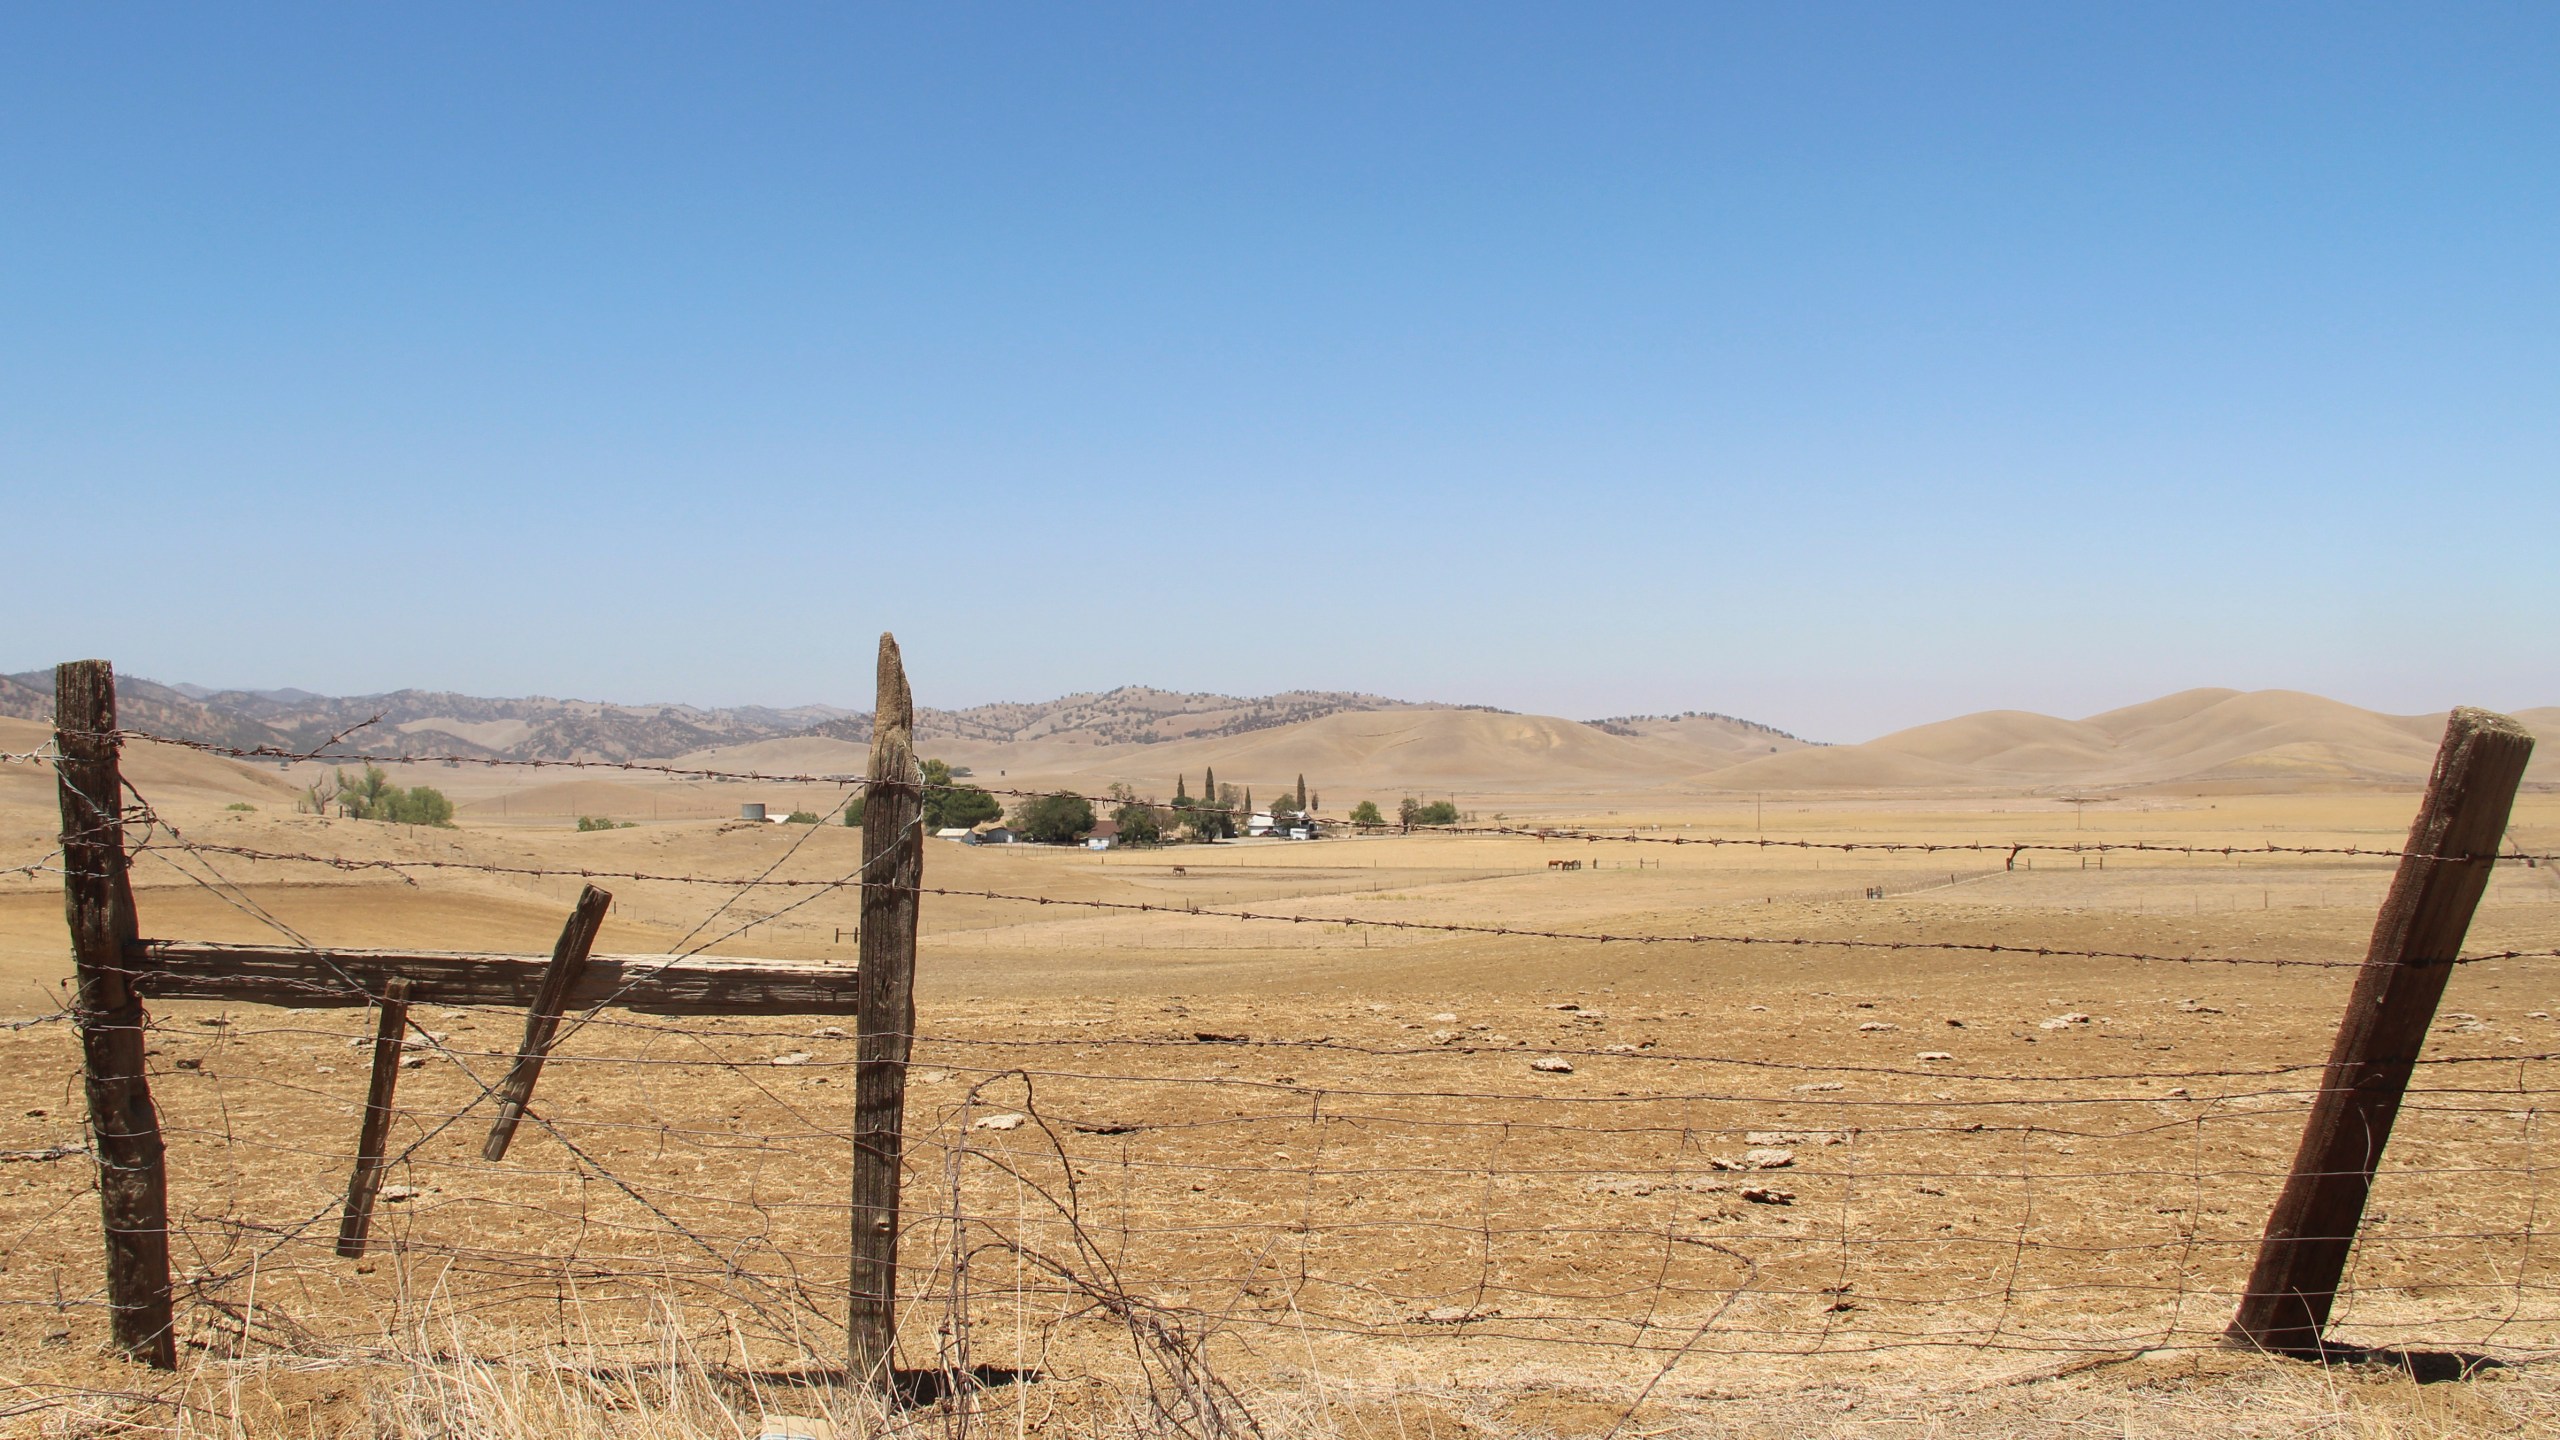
(652, 984)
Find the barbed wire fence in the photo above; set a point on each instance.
(1174, 1206)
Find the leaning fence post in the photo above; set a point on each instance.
(124, 1129)
(542, 1021)
(2443, 871)
(885, 1017)
(391, 1029)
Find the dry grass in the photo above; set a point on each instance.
(1290, 1205)
(419, 1389)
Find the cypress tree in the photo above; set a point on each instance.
(1248, 802)
(1302, 794)
(1180, 796)
(1209, 785)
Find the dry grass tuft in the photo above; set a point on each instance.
(425, 1393)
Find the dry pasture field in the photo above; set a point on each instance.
(1190, 1173)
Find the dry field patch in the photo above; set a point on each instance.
(1760, 1189)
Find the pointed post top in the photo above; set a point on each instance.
(893, 720)
(2482, 750)
(84, 699)
(2470, 720)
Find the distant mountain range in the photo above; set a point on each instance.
(540, 728)
(1343, 739)
(532, 728)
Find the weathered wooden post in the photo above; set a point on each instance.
(885, 1018)
(542, 1020)
(391, 1028)
(124, 1129)
(2443, 871)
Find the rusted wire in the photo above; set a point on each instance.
(1981, 947)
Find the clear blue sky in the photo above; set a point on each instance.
(1838, 366)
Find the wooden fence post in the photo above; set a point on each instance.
(124, 1129)
(885, 1018)
(390, 1029)
(542, 1020)
(2443, 871)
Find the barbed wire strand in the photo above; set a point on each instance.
(852, 881)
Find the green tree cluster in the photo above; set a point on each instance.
(590, 823)
(1140, 824)
(951, 806)
(1202, 815)
(1059, 819)
(1366, 813)
(1204, 818)
(1438, 812)
(374, 797)
(1219, 812)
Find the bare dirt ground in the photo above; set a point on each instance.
(1376, 1181)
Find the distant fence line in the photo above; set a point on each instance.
(843, 883)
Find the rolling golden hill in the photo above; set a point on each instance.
(2280, 739)
(2270, 739)
(2216, 739)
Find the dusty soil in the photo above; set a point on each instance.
(1337, 1159)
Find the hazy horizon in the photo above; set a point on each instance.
(864, 704)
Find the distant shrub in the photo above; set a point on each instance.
(241, 805)
(801, 817)
(588, 823)
(853, 813)
(1438, 812)
(374, 797)
(421, 805)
